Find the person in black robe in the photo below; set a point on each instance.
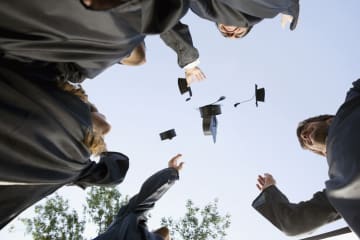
(336, 137)
(86, 41)
(131, 221)
(230, 20)
(267, 8)
(47, 136)
(67, 33)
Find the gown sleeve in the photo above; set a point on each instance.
(179, 39)
(109, 171)
(295, 218)
(151, 191)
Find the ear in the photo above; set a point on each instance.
(329, 121)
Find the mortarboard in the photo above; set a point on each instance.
(183, 87)
(169, 134)
(208, 114)
(259, 96)
(210, 126)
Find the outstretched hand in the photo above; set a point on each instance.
(173, 162)
(194, 75)
(265, 181)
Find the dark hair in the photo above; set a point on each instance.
(302, 124)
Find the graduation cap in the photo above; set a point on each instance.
(208, 114)
(169, 134)
(259, 96)
(183, 87)
(209, 125)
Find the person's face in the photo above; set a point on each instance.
(314, 136)
(99, 123)
(232, 31)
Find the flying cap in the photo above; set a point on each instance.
(169, 134)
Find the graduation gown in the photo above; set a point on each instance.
(265, 8)
(66, 32)
(42, 129)
(130, 222)
(343, 157)
(179, 39)
(221, 12)
(295, 218)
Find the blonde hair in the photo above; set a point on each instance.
(94, 140)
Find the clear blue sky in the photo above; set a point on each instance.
(305, 72)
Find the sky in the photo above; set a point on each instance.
(305, 72)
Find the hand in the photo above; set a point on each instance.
(194, 75)
(173, 163)
(265, 181)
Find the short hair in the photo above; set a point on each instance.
(248, 29)
(319, 118)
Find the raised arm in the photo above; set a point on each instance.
(292, 218)
(154, 188)
(179, 39)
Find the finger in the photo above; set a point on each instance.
(180, 166)
(268, 175)
(261, 178)
(175, 158)
(198, 77)
(261, 181)
(258, 186)
(188, 81)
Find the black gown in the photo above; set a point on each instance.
(343, 157)
(130, 222)
(219, 12)
(65, 32)
(42, 129)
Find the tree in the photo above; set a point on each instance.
(199, 224)
(54, 220)
(103, 205)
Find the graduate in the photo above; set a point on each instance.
(131, 221)
(48, 132)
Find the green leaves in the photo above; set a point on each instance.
(54, 220)
(199, 224)
(103, 205)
